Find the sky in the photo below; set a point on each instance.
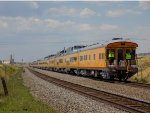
(31, 30)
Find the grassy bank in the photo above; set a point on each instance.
(19, 99)
(143, 75)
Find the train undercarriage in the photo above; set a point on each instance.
(108, 73)
(121, 75)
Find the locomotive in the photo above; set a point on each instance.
(95, 60)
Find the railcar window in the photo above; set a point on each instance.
(60, 60)
(85, 57)
(52, 61)
(101, 56)
(89, 57)
(73, 59)
(94, 55)
(81, 58)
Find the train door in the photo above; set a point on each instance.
(120, 55)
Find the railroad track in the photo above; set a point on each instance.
(140, 85)
(121, 102)
(129, 83)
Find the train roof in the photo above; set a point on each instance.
(74, 48)
(105, 44)
(93, 46)
(52, 55)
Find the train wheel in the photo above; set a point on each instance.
(123, 78)
(112, 77)
(122, 75)
(77, 72)
(95, 74)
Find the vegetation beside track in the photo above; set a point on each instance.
(7, 70)
(143, 74)
(19, 99)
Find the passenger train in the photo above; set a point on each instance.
(94, 60)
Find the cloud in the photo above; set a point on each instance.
(26, 24)
(58, 24)
(18, 24)
(22, 24)
(86, 12)
(62, 11)
(106, 3)
(52, 23)
(85, 27)
(144, 5)
(122, 12)
(33, 5)
(32, 25)
(3, 24)
(108, 27)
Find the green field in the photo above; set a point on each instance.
(19, 99)
(143, 74)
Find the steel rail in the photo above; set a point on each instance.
(129, 83)
(141, 85)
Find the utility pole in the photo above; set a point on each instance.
(12, 59)
(22, 61)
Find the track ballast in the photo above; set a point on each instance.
(121, 102)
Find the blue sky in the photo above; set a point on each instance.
(32, 30)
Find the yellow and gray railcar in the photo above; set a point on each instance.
(94, 61)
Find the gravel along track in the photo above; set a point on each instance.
(128, 91)
(121, 102)
(63, 100)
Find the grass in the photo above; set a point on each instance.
(19, 99)
(143, 75)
